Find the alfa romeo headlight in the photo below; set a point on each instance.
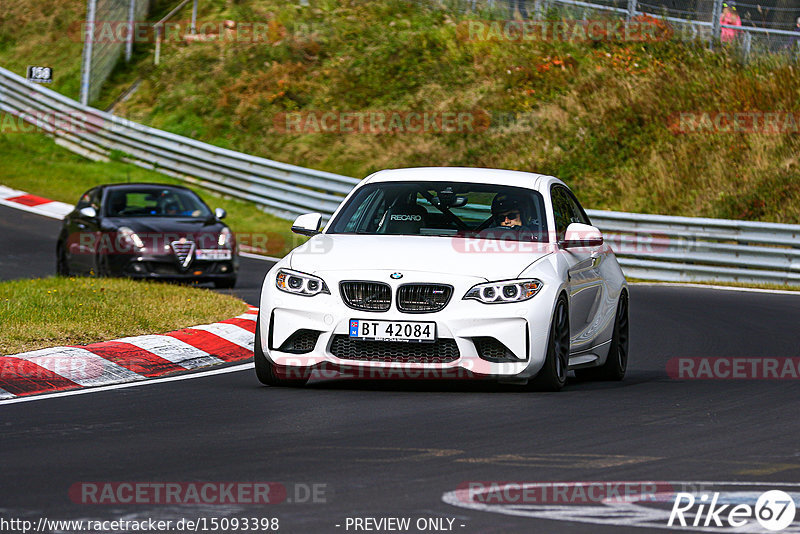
(128, 236)
(504, 291)
(224, 239)
(298, 283)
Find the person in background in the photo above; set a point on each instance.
(794, 39)
(731, 18)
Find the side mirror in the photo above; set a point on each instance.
(88, 212)
(308, 224)
(581, 235)
(220, 213)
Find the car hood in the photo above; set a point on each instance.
(173, 225)
(482, 258)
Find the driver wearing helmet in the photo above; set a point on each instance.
(508, 212)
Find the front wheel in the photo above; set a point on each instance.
(62, 267)
(553, 374)
(270, 374)
(617, 360)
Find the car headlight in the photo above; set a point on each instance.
(504, 291)
(128, 236)
(224, 239)
(300, 283)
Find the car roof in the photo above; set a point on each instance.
(139, 185)
(464, 174)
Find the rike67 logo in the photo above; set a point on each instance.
(687, 506)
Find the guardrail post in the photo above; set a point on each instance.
(131, 22)
(631, 9)
(158, 44)
(716, 25)
(88, 45)
(194, 18)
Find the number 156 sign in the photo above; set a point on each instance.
(40, 74)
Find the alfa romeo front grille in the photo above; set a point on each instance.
(184, 251)
(440, 351)
(367, 296)
(423, 298)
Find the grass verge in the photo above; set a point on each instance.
(47, 312)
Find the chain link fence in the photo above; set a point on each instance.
(107, 32)
(766, 26)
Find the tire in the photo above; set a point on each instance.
(553, 374)
(103, 267)
(617, 360)
(227, 283)
(62, 267)
(270, 374)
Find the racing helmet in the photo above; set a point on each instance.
(503, 203)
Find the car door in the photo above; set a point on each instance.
(583, 274)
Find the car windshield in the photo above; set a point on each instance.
(155, 202)
(444, 209)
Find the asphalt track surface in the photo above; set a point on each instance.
(391, 449)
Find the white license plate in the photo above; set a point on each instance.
(408, 331)
(214, 254)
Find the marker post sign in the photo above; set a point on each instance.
(40, 74)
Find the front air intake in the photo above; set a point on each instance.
(367, 296)
(423, 298)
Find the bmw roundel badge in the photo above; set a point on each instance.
(396, 276)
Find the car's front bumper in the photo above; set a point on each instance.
(166, 267)
(313, 333)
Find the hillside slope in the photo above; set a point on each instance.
(599, 114)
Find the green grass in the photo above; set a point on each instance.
(34, 163)
(46, 312)
(595, 114)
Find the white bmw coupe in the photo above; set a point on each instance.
(447, 273)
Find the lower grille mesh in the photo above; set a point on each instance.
(440, 351)
(493, 350)
(300, 342)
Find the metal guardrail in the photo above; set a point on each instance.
(684, 249)
(648, 246)
(283, 189)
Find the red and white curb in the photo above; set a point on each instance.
(127, 359)
(27, 202)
